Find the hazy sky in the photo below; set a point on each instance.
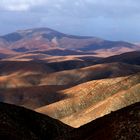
(109, 19)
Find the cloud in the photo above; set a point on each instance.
(75, 8)
(19, 5)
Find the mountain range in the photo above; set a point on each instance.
(75, 81)
(54, 42)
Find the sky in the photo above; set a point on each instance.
(108, 19)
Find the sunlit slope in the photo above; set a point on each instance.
(94, 99)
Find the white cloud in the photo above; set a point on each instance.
(19, 5)
(85, 8)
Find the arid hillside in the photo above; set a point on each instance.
(122, 124)
(94, 72)
(34, 88)
(74, 79)
(94, 99)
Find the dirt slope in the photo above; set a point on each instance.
(94, 99)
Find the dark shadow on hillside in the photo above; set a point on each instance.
(33, 97)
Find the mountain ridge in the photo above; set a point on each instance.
(20, 123)
(45, 38)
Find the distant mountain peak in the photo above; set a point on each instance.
(36, 30)
(44, 38)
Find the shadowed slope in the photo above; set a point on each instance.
(7, 67)
(10, 66)
(77, 76)
(32, 97)
(129, 58)
(20, 123)
(17, 123)
(60, 52)
(5, 52)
